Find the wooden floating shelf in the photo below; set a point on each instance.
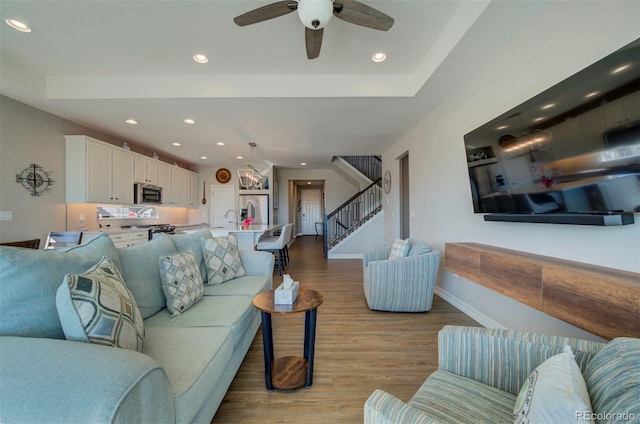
(603, 301)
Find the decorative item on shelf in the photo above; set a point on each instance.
(287, 292)
(125, 146)
(223, 175)
(35, 179)
(250, 178)
(155, 156)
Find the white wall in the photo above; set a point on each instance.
(514, 51)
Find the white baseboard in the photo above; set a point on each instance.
(344, 255)
(468, 309)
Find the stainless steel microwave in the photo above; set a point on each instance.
(146, 194)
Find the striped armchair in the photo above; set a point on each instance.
(481, 370)
(401, 285)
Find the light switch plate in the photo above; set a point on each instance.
(6, 216)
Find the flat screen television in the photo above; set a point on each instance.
(569, 155)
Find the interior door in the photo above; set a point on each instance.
(310, 210)
(223, 199)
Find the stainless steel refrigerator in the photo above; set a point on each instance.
(255, 206)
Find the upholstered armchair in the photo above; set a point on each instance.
(403, 284)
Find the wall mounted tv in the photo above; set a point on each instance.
(570, 155)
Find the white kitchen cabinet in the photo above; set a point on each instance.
(129, 238)
(177, 176)
(164, 181)
(195, 190)
(138, 237)
(146, 170)
(120, 239)
(97, 172)
(189, 189)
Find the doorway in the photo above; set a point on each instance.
(310, 210)
(404, 197)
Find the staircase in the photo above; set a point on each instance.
(360, 208)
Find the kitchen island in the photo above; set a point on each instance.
(247, 236)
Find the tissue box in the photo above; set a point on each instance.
(286, 296)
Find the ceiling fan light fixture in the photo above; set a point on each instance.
(315, 14)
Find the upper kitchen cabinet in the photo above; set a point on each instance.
(98, 172)
(146, 170)
(190, 193)
(164, 181)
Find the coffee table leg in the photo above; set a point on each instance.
(309, 343)
(267, 345)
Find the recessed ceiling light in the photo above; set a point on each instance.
(549, 106)
(189, 121)
(220, 143)
(16, 24)
(502, 127)
(203, 157)
(621, 68)
(592, 94)
(539, 119)
(309, 182)
(379, 57)
(175, 143)
(239, 157)
(303, 163)
(200, 58)
(131, 121)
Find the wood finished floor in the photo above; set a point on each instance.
(357, 350)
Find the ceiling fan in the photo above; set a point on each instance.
(315, 14)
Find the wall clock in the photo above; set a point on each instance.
(386, 182)
(223, 175)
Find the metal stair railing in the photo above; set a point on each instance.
(370, 166)
(351, 214)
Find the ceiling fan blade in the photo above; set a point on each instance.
(360, 14)
(267, 12)
(313, 40)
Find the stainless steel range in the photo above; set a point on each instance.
(153, 228)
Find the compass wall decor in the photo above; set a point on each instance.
(35, 179)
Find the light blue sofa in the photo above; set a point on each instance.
(187, 362)
(403, 284)
(480, 372)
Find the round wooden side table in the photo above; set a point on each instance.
(289, 372)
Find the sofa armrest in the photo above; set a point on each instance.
(257, 263)
(383, 408)
(51, 380)
(377, 255)
(503, 358)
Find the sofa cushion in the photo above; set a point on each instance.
(222, 259)
(399, 249)
(184, 242)
(236, 313)
(29, 280)
(450, 398)
(97, 307)
(241, 286)
(141, 273)
(193, 358)
(417, 247)
(554, 392)
(613, 379)
(181, 281)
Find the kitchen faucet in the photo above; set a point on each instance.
(235, 213)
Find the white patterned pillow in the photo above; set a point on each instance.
(222, 258)
(555, 392)
(97, 307)
(181, 281)
(399, 249)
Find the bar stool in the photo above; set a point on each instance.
(276, 245)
